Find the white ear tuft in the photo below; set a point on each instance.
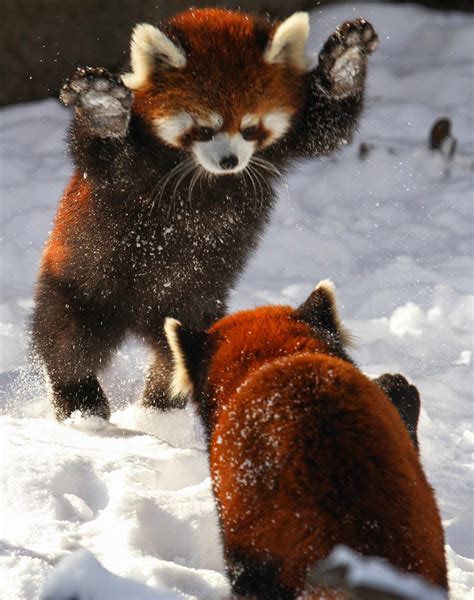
(329, 288)
(288, 45)
(151, 50)
(181, 383)
(328, 285)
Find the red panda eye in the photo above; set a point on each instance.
(204, 134)
(250, 133)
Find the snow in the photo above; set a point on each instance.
(394, 231)
(81, 571)
(363, 575)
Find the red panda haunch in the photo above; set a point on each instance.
(305, 452)
(176, 166)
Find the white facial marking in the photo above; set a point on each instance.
(288, 45)
(171, 129)
(212, 120)
(210, 154)
(151, 50)
(249, 120)
(277, 122)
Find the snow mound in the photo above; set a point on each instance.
(371, 577)
(81, 576)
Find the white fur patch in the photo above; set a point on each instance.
(288, 45)
(209, 154)
(150, 50)
(181, 383)
(172, 128)
(277, 123)
(328, 286)
(212, 120)
(249, 120)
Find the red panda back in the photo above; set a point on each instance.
(307, 454)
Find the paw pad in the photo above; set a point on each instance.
(343, 58)
(102, 99)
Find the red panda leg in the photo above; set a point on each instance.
(84, 395)
(74, 339)
(251, 578)
(156, 393)
(157, 389)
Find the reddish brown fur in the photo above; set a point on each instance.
(230, 82)
(72, 210)
(307, 453)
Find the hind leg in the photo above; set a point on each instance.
(158, 378)
(156, 394)
(74, 340)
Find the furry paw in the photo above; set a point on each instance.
(406, 399)
(343, 58)
(101, 99)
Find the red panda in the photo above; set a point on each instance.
(176, 164)
(305, 452)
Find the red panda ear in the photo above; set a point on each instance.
(188, 349)
(288, 45)
(151, 50)
(320, 311)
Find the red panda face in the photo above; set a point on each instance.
(221, 85)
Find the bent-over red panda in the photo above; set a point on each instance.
(305, 451)
(176, 166)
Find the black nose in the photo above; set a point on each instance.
(229, 162)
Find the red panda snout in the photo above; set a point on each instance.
(218, 146)
(224, 153)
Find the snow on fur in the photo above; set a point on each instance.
(393, 231)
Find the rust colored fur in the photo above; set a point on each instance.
(232, 82)
(73, 209)
(306, 453)
(156, 221)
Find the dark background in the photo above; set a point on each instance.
(42, 41)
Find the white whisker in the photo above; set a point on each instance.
(194, 179)
(267, 165)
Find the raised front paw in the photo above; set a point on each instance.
(343, 58)
(406, 399)
(101, 99)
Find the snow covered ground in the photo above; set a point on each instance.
(394, 231)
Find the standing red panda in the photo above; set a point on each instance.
(176, 165)
(305, 452)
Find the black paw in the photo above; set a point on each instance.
(406, 399)
(84, 395)
(101, 99)
(343, 58)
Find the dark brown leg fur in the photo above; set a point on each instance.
(84, 394)
(158, 379)
(74, 339)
